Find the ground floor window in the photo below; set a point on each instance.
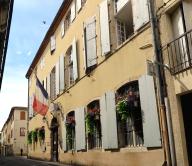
(93, 125)
(70, 130)
(129, 116)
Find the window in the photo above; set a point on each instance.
(90, 45)
(129, 117)
(67, 20)
(70, 130)
(52, 44)
(69, 78)
(52, 84)
(130, 17)
(22, 131)
(22, 115)
(93, 125)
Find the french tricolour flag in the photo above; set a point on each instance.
(40, 102)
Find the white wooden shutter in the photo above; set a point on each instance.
(48, 85)
(73, 13)
(62, 73)
(57, 77)
(30, 107)
(80, 129)
(64, 144)
(109, 121)
(151, 128)
(78, 5)
(53, 43)
(90, 34)
(45, 84)
(84, 47)
(62, 28)
(120, 4)
(140, 13)
(74, 59)
(104, 25)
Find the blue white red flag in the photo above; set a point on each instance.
(40, 102)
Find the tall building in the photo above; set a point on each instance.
(6, 9)
(14, 132)
(176, 37)
(103, 107)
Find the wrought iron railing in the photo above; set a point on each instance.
(178, 53)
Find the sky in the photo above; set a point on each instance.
(26, 34)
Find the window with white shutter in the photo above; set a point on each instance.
(151, 129)
(62, 28)
(57, 77)
(53, 43)
(73, 11)
(53, 84)
(90, 44)
(62, 73)
(74, 59)
(104, 25)
(108, 121)
(78, 5)
(30, 107)
(140, 13)
(80, 129)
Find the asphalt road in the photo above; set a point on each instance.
(23, 161)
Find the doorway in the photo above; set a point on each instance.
(54, 140)
(187, 119)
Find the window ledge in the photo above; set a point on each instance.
(134, 149)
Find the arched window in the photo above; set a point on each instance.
(70, 130)
(129, 116)
(93, 125)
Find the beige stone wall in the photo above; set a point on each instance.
(127, 63)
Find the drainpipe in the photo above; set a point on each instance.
(161, 86)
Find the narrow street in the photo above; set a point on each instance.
(23, 161)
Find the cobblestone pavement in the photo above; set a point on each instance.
(23, 161)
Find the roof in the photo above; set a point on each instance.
(11, 113)
(6, 5)
(59, 16)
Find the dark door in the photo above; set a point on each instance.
(54, 140)
(186, 103)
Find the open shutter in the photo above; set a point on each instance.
(80, 129)
(78, 5)
(84, 47)
(53, 43)
(64, 134)
(74, 59)
(90, 39)
(140, 13)
(45, 84)
(48, 85)
(108, 121)
(73, 13)
(57, 77)
(30, 107)
(104, 25)
(62, 28)
(151, 128)
(62, 73)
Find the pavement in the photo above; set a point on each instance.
(23, 161)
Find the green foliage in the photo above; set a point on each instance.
(122, 110)
(29, 137)
(34, 136)
(41, 134)
(89, 124)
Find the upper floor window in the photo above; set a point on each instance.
(93, 125)
(67, 20)
(52, 84)
(52, 43)
(129, 117)
(130, 17)
(69, 77)
(22, 115)
(22, 131)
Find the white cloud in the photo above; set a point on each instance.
(29, 53)
(13, 92)
(18, 52)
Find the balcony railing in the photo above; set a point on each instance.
(178, 53)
